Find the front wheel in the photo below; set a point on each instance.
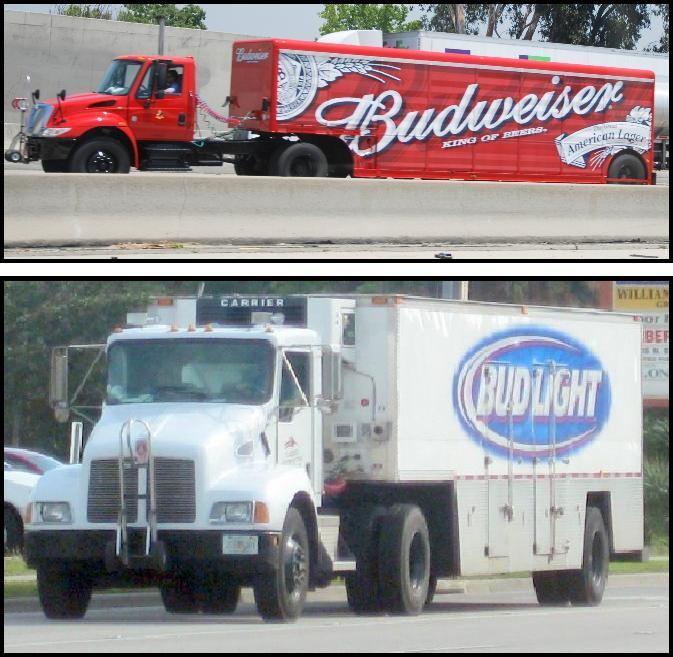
(281, 594)
(13, 531)
(64, 591)
(179, 594)
(101, 155)
(55, 166)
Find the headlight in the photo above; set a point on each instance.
(231, 512)
(54, 132)
(52, 512)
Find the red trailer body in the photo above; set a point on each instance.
(431, 115)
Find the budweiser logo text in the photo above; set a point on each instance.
(469, 114)
(242, 55)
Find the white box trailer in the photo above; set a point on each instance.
(529, 412)
(390, 439)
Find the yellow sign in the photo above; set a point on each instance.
(648, 300)
(635, 296)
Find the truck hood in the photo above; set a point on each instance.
(216, 436)
(91, 100)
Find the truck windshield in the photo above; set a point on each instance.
(119, 77)
(190, 370)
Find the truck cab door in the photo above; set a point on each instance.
(298, 418)
(167, 118)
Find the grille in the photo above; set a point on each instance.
(175, 491)
(103, 502)
(38, 117)
(176, 500)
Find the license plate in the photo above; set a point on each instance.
(240, 545)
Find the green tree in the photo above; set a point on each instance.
(441, 18)
(605, 25)
(602, 25)
(385, 17)
(103, 12)
(547, 293)
(662, 12)
(191, 16)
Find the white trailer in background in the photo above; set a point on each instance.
(279, 442)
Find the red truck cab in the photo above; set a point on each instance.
(140, 99)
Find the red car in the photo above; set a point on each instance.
(28, 461)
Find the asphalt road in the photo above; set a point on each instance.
(632, 618)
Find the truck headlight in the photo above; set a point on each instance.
(54, 132)
(52, 512)
(231, 512)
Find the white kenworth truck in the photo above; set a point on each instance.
(278, 443)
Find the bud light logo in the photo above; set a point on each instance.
(533, 391)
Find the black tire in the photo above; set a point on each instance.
(55, 166)
(432, 589)
(13, 531)
(247, 165)
(102, 155)
(362, 586)
(281, 594)
(179, 593)
(627, 165)
(64, 591)
(219, 595)
(586, 587)
(404, 560)
(299, 160)
(551, 587)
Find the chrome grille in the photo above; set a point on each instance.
(175, 494)
(175, 491)
(103, 502)
(38, 118)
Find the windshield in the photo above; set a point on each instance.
(119, 77)
(185, 370)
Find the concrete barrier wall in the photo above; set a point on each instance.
(61, 52)
(60, 209)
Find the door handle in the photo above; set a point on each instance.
(182, 118)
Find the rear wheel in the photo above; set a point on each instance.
(404, 560)
(299, 160)
(64, 591)
(281, 594)
(551, 587)
(362, 586)
(627, 166)
(588, 585)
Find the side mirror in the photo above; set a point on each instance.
(58, 384)
(332, 375)
(61, 94)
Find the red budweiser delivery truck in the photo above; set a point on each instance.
(324, 109)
